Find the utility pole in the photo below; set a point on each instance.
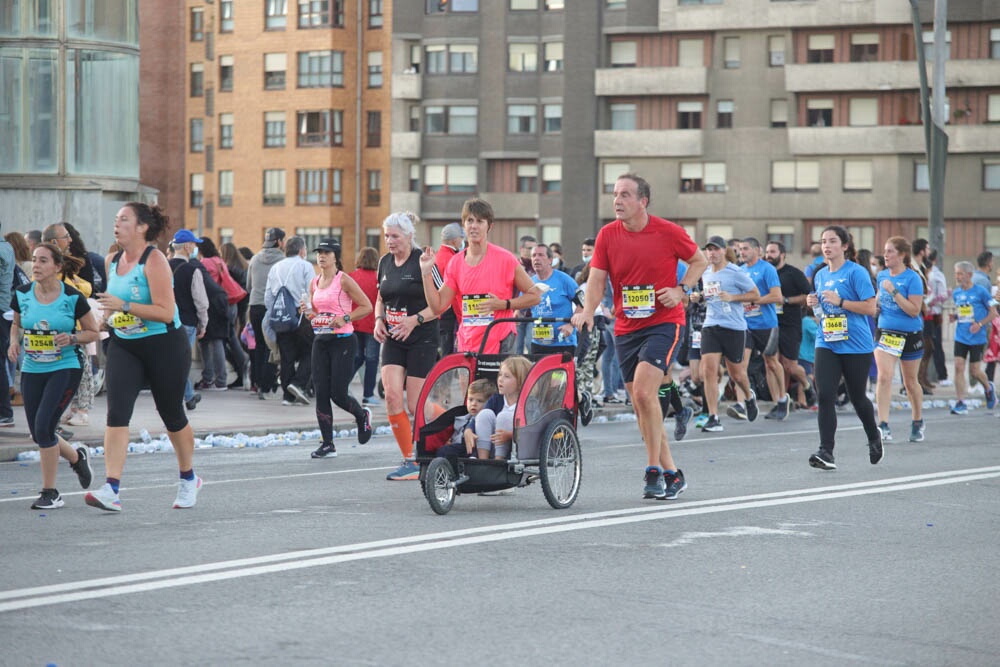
(934, 117)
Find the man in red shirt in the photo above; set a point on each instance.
(639, 252)
(452, 240)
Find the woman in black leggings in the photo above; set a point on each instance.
(844, 343)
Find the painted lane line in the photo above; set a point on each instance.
(449, 540)
(712, 439)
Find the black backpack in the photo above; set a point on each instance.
(284, 316)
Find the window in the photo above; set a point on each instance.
(864, 235)
(995, 43)
(623, 54)
(691, 53)
(320, 128)
(521, 118)
(225, 130)
(792, 176)
(452, 6)
(731, 52)
(197, 80)
(375, 18)
(519, 5)
(554, 4)
(615, 4)
(929, 45)
(374, 129)
(776, 50)
(414, 118)
(623, 116)
(779, 113)
(437, 59)
(527, 178)
(225, 15)
(374, 197)
(414, 59)
(462, 120)
(225, 73)
(413, 180)
(197, 24)
(321, 69)
(319, 14)
(274, 129)
(863, 112)
(921, 177)
(197, 142)
(318, 187)
(522, 57)
(991, 174)
(703, 177)
(783, 234)
(857, 175)
(197, 197)
(819, 49)
(553, 56)
(374, 69)
(450, 179)
(610, 173)
(689, 115)
(225, 188)
(275, 65)
(435, 120)
(724, 114)
(819, 113)
(462, 58)
(552, 118)
(313, 235)
(373, 237)
(275, 14)
(551, 178)
(864, 47)
(274, 187)
(993, 109)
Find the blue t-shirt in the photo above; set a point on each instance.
(765, 277)
(891, 316)
(972, 305)
(721, 313)
(844, 331)
(41, 321)
(134, 288)
(556, 302)
(807, 348)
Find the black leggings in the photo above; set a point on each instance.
(163, 361)
(46, 396)
(332, 370)
(830, 367)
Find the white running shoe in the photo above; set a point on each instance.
(187, 493)
(104, 498)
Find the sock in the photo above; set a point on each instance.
(114, 482)
(783, 400)
(187, 475)
(403, 432)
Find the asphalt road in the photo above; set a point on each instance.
(287, 560)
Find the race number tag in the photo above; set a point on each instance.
(891, 343)
(965, 313)
(779, 309)
(126, 323)
(543, 332)
(834, 328)
(394, 316)
(322, 323)
(471, 317)
(41, 346)
(713, 289)
(638, 301)
(751, 310)
(696, 340)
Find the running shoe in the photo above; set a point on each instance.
(612, 400)
(810, 393)
(916, 431)
(946, 383)
(371, 400)
(713, 425)
(656, 486)
(736, 411)
(586, 407)
(365, 426)
(701, 419)
(193, 403)
(751, 405)
(783, 408)
(681, 423)
(61, 431)
(298, 393)
(773, 414)
(49, 499)
(875, 451)
(822, 460)
(82, 468)
(886, 432)
(960, 408)
(104, 498)
(675, 485)
(325, 450)
(408, 470)
(991, 396)
(187, 493)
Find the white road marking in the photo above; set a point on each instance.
(713, 438)
(283, 562)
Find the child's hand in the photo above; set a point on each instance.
(501, 437)
(470, 442)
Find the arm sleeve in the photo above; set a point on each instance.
(200, 298)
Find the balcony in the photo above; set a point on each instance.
(648, 143)
(766, 14)
(405, 145)
(406, 86)
(894, 75)
(889, 140)
(630, 81)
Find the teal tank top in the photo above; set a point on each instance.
(134, 288)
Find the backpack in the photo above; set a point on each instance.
(284, 316)
(218, 303)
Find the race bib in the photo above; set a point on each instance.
(543, 332)
(751, 310)
(394, 316)
(696, 340)
(965, 314)
(638, 301)
(471, 316)
(713, 289)
(834, 328)
(322, 323)
(41, 346)
(126, 323)
(891, 343)
(779, 309)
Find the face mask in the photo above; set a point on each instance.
(555, 262)
(586, 259)
(194, 253)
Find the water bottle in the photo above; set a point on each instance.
(818, 309)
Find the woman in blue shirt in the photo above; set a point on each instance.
(975, 308)
(844, 343)
(45, 315)
(900, 334)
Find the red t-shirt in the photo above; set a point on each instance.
(368, 282)
(639, 264)
(493, 275)
(441, 260)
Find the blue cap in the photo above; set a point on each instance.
(185, 236)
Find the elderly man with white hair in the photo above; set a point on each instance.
(452, 240)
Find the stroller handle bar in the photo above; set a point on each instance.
(518, 320)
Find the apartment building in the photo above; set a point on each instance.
(287, 119)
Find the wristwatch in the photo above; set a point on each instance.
(420, 318)
(347, 318)
(126, 306)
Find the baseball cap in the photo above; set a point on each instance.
(185, 236)
(328, 245)
(273, 236)
(717, 241)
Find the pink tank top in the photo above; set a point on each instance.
(329, 303)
